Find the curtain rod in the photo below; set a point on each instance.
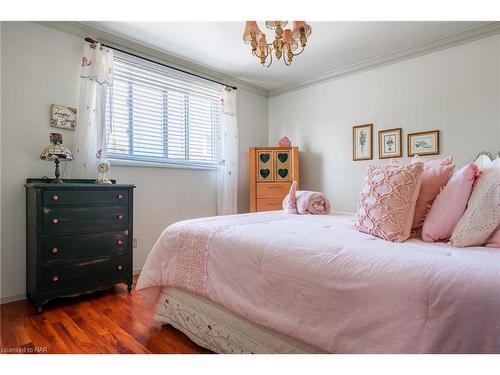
(90, 40)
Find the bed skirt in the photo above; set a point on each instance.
(217, 329)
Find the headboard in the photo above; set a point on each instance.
(485, 157)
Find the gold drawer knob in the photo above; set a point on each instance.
(119, 267)
(120, 196)
(119, 242)
(55, 250)
(55, 279)
(120, 217)
(55, 197)
(55, 221)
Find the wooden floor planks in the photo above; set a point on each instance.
(112, 321)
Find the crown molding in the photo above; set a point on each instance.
(84, 29)
(481, 32)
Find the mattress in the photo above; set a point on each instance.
(212, 326)
(316, 279)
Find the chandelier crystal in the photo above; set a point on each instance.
(285, 44)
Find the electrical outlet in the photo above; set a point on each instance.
(134, 243)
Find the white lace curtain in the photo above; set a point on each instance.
(227, 179)
(96, 76)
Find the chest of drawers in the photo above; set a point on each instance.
(79, 238)
(271, 173)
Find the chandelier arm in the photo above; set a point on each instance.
(298, 53)
(270, 54)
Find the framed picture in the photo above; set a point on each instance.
(362, 142)
(389, 143)
(423, 143)
(63, 117)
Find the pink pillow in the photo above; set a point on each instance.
(450, 205)
(494, 240)
(387, 200)
(436, 175)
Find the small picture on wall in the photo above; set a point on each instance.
(362, 142)
(63, 117)
(423, 143)
(389, 143)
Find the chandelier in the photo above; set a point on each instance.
(285, 41)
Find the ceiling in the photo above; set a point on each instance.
(331, 46)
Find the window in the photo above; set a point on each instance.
(156, 114)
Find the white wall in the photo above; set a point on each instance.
(456, 90)
(41, 66)
(0, 153)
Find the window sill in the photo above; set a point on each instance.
(150, 164)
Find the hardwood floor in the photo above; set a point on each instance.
(112, 321)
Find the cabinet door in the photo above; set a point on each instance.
(265, 165)
(282, 165)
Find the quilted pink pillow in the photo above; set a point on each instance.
(450, 205)
(387, 200)
(436, 175)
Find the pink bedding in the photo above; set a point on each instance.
(317, 279)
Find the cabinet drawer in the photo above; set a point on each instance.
(79, 275)
(101, 196)
(83, 246)
(273, 190)
(84, 219)
(269, 204)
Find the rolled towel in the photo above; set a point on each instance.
(290, 204)
(310, 202)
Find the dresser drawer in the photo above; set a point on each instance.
(79, 275)
(100, 196)
(272, 190)
(83, 246)
(84, 219)
(269, 204)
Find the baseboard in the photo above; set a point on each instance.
(14, 298)
(20, 297)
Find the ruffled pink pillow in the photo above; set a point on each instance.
(387, 200)
(436, 175)
(450, 205)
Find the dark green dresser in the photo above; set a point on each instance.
(79, 237)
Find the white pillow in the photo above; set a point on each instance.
(482, 216)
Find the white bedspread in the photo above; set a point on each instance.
(317, 279)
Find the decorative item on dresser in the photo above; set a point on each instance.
(56, 152)
(79, 237)
(271, 173)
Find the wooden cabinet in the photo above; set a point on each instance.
(79, 237)
(271, 173)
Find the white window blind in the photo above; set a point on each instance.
(157, 114)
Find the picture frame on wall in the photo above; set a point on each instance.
(362, 142)
(63, 117)
(423, 143)
(389, 143)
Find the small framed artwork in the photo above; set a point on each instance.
(63, 117)
(362, 142)
(423, 143)
(389, 143)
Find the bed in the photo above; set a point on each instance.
(276, 283)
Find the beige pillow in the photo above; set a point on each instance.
(482, 216)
